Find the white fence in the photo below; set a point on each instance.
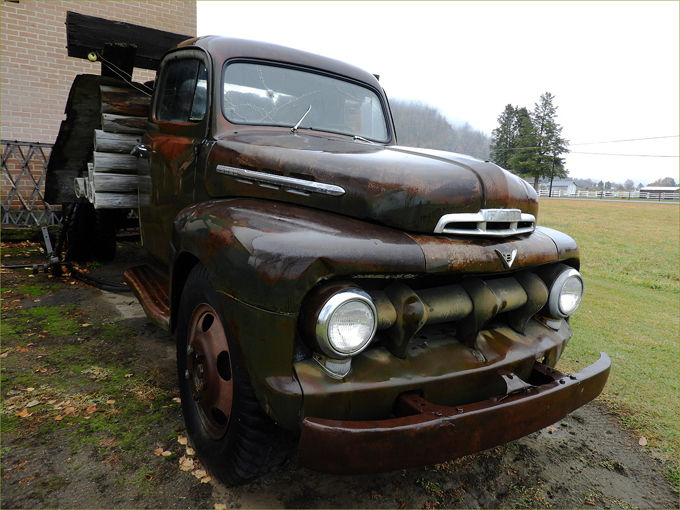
(627, 195)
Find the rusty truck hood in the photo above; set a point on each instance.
(405, 188)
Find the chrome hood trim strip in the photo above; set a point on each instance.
(290, 184)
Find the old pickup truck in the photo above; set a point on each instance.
(389, 306)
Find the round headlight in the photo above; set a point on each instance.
(566, 294)
(346, 324)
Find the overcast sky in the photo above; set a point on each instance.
(613, 67)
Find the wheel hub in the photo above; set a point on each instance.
(209, 370)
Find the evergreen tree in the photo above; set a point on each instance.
(525, 159)
(530, 144)
(503, 138)
(549, 142)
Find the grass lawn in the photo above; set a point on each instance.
(630, 263)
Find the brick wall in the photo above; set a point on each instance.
(36, 73)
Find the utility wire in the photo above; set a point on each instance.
(629, 140)
(124, 75)
(632, 155)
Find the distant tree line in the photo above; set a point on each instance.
(628, 185)
(530, 144)
(424, 126)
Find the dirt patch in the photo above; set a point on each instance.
(91, 419)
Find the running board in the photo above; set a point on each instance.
(152, 289)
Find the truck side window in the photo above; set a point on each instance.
(183, 92)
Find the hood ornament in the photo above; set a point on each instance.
(508, 258)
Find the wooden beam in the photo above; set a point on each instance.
(115, 183)
(115, 142)
(88, 33)
(115, 201)
(125, 101)
(123, 124)
(117, 163)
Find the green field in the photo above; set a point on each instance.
(630, 263)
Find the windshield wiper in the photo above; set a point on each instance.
(361, 139)
(295, 127)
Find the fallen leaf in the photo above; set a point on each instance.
(86, 325)
(110, 402)
(199, 473)
(182, 440)
(219, 506)
(91, 409)
(59, 417)
(158, 451)
(127, 376)
(50, 402)
(186, 464)
(24, 414)
(206, 479)
(166, 453)
(551, 429)
(4, 354)
(191, 452)
(70, 410)
(30, 389)
(178, 400)
(33, 403)
(642, 441)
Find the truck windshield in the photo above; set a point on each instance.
(259, 94)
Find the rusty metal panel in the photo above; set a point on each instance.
(436, 433)
(438, 366)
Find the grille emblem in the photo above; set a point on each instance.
(507, 258)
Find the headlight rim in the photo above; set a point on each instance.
(556, 292)
(332, 305)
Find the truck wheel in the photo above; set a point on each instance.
(235, 440)
(91, 234)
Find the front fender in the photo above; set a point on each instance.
(269, 254)
(263, 258)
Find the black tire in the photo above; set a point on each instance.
(106, 221)
(233, 437)
(91, 234)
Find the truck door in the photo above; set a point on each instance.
(172, 146)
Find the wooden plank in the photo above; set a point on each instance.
(118, 60)
(73, 147)
(90, 190)
(123, 124)
(89, 33)
(115, 142)
(125, 101)
(115, 201)
(115, 183)
(75, 141)
(116, 163)
(81, 184)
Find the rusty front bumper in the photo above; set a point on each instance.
(427, 433)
